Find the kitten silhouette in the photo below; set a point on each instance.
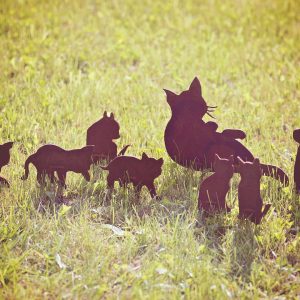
(101, 134)
(49, 159)
(296, 136)
(192, 143)
(250, 201)
(213, 189)
(139, 172)
(4, 159)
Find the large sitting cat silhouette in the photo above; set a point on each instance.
(101, 134)
(193, 143)
(296, 135)
(51, 158)
(139, 172)
(213, 189)
(4, 159)
(250, 202)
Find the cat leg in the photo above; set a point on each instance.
(86, 175)
(51, 176)
(137, 192)
(40, 177)
(62, 177)
(110, 186)
(152, 191)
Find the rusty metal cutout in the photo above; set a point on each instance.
(139, 172)
(49, 159)
(250, 201)
(296, 136)
(4, 159)
(193, 143)
(213, 189)
(101, 134)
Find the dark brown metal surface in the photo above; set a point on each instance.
(193, 143)
(139, 172)
(250, 201)
(101, 134)
(49, 159)
(4, 159)
(296, 136)
(213, 189)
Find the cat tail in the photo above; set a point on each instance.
(276, 173)
(122, 152)
(29, 160)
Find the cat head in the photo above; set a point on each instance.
(190, 101)
(223, 165)
(296, 135)
(249, 169)
(4, 148)
(110, 127)
(152, 166)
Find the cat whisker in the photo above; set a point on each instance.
(212, 106)
(210, 115)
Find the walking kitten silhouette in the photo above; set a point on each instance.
(250, 201)
(139, 172)
(213, 189)
(4, 159)
(49, 159)
(296, 135)
(192, 143)
(101, 134)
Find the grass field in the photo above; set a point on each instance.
(62, 64)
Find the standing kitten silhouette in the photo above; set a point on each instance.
(4, 159)
(51, 158)
(296, 135)
(139, 172)
(250, 201)
(192, 143)
(101, 134)
(213, 189)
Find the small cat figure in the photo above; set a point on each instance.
(296, 136)
(51, 158)
(250, 201)
(101, 134)
(139, 172)
(213, 189)
(4, 159)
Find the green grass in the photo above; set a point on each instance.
(63, 63)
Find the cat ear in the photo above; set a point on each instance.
(160, 161)
(240, 161)
(144, 156)
(105, 114)
(171, 97)
(112, 116)
(195, 87)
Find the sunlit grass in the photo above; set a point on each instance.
(62, 64)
